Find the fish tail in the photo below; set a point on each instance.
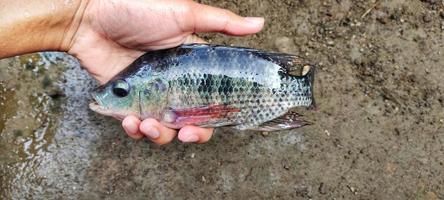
(311, 76)
(307, 80)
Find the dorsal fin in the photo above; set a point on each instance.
(289, 62)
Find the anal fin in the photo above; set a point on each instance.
(288, 121)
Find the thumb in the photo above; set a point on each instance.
(210, 19)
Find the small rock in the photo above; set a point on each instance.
(285, 165)
(303, 191)
(352, 189)
(327, 132)
(426, 18)
(382, 17)
(285, 44)
(323, 188)
(383, 20)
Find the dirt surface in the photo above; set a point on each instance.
(378, 129)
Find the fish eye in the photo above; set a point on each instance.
(121, 88)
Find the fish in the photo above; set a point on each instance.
(209, 85)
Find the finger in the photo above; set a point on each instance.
(211, 19)
(195, 134)
(173, 42)
(157, 132)
(131, 126)
(194, 39)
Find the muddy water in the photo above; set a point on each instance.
(46, 133)
(29, 104)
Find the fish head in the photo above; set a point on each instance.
(118, 98)
(154, 98)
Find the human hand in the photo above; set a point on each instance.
(113, 33)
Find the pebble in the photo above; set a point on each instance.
(323, 188)
(286, 167)
(352, 189)
(327, 132)
(284, 44)
(426, 18)
(383, 20)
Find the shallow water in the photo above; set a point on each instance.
(29, 104)
(45, 126)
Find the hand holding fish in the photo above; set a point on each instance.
(107, 35)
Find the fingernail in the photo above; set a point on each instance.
(254, 20)
(191, 138)
(152, 132)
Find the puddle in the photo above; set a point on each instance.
(29, 113)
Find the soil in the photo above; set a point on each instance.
(378, 129)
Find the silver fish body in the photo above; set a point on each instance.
(211, 86)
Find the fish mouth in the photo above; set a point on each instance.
(96, 106)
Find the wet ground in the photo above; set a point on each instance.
(378, 131)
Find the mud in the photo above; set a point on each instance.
(378, 129)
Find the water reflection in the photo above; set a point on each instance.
(29, 100)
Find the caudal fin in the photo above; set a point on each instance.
(308, 72)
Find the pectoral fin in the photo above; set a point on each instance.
(199, 115)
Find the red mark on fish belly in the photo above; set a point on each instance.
(203, 114)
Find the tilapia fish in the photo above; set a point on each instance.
(210, 86)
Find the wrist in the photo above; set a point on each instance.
(38, 25)
(70, 29)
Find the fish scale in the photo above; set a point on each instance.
(211, 86)
(214, 90)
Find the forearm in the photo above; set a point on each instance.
(38, 25)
